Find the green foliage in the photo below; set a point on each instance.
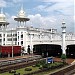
(33, 65)
(28, 69)
(12, 71)
(46, 66)
(63, 58)
(38, 65)
(42, 62)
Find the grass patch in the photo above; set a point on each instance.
(22, 71)
(37, 67)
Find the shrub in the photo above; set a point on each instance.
(42, 62)
(33, 65)
(28, 69)
(63, 58)
(12, 71)
(45, 66)
(38, 65)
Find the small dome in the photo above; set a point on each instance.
(2, 16)
(21, 14)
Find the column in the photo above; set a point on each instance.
(25, 40)
(2, 38)
(2, 26)
(63, 38)
(18, 23)
(51, 34)
(6, 38)
(12, 44)
(25, 23)
(31, 45)
(19, 38)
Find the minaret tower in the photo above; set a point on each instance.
(3, 26)
(63, 38)
(3, 22)
(21, 17)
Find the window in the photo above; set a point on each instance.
(14, 39)
(18, 33)
(14, 34)
(18, 37)
(18, 43)
(0, 35)
(21, 42)
(4, 39)
(9, 35)
(0, 40)
(4, 35)
(9, 39)
(22, 36)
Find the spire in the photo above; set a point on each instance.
(22, 7)
(63, 23)
(1, 10)
(21, 13)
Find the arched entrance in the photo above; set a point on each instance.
(47, 50)
(70, 51)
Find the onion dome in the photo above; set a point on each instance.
(21, 13)
(21, 16)
(2, 16)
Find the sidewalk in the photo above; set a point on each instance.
(16, 57)
(68, 60)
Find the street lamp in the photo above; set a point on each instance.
(63, 37)
(12, 42)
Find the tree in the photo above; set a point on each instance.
(63, 58)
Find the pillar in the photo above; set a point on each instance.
(12, 44)
(51, 34)
(31, 45)
(63, 38)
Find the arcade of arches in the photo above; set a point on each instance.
(53, 50)
(70, 51)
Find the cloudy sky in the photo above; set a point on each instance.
(42, 13)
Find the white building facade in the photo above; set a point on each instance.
(23, 35)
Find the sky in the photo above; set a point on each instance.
(42, 13)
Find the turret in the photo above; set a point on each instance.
(3, 22)
(21, 17)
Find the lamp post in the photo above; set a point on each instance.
(63, 37)
(12, 43)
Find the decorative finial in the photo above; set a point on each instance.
(1, 10)
(22, 7)
(63, 22)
